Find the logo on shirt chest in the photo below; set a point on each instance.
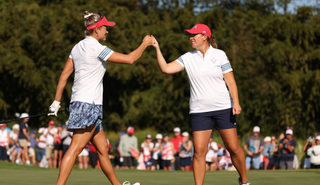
(213, 60)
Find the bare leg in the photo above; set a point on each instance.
(13, 156)
(26, 155)
(55, 158)
(50, 162)
(60, 157)
(187, 168)
(79, 140)
(34, 160)
(85, 162)
(80, 160)
(201, 140)
(19, 155)
(99, 140)
(230, 140)
(183, 168)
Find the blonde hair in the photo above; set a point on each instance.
(88, 21)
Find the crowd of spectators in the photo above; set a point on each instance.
(156, 153)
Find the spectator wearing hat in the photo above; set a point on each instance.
(167, 153)
(221, 161)
(211, 156)
(253, 146)
(4, 142)
(176, 141)
(49, 134)
(14, 150)
(23, 138)
(147, 147)
(33, 142)
(287, 147)
(267, 153)
(156, 155)
(128, 147)
(116, 150)
(66, 138)
(185, 152)
(314, 153)
(307, 145)
(42, 143)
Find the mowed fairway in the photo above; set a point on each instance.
(11, 174)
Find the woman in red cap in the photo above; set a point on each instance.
(88, 62)
(209, 72)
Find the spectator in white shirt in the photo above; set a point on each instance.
(314, 153)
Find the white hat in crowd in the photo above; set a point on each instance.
(23, 115)
(177, 129)
(15, 127)
(159, 136)
(266, 139)
(185, 134)
(318, 137)
(289, 131)
(256, 129)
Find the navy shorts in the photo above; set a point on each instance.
(224, 119)
(166, 163)
(185, 161)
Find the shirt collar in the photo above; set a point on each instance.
(207, 53)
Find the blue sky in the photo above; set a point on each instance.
(296, 3)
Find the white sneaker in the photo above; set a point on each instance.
(128, 183)
(18, 162)
(243, 183)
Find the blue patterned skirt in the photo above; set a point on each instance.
(83, 115)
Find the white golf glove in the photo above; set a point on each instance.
(54, 108)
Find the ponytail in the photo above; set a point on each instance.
(212, 41)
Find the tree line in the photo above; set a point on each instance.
(275, 58)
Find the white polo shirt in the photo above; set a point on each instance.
(89, 58)
(208, 90)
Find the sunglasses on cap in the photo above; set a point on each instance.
(101, 15)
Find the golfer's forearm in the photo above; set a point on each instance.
(161, 61)
(61, 85)
(233, 89)
(136, 54)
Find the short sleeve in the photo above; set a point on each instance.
(247, 142)
(104, 52)
(261, 142)
(180, 61)
(225, 64)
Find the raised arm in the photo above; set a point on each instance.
(233, 89)
(172, 67)
(134, 55)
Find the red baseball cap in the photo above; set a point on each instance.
(102, 22)
(198, 28)
(130, 130)
(3, 125)
(51, 122)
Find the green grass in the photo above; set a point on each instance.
(11, 174)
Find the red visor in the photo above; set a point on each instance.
(101, 22)
(199, 28)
